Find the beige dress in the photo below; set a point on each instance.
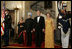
(49, 34)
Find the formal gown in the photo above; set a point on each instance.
(21, 35)
(49, 34)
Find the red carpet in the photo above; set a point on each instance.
(23, 45)
(33, 45)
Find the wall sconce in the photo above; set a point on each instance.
(64, 1)
(19, 6)
(16, 8)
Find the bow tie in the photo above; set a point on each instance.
(38, 16)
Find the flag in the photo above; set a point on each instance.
(2, 18)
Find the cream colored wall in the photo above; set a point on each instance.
(27, 9)
(68, 6)
(19, 4)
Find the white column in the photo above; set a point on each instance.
(23, 12)
(16, 20)
(56, 13)
(56, 9)
(17, 16)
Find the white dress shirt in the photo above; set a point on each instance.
(38, 18)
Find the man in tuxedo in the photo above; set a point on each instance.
(29, 28)
(39, 27)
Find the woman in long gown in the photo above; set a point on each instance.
(49, 32)
(21, 28)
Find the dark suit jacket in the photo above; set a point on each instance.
(8, 21)
(29, 24)
(41, 24)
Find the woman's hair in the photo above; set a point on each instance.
(21, 18)
(48, 13)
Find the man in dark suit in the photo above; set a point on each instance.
(7, 27)
(39, 27)
(29, 22)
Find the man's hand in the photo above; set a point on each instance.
(17, 32)
(34, 30)
(2, 34)
(59, 27)
(24, 30)
(43, 30)
(31, 31)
